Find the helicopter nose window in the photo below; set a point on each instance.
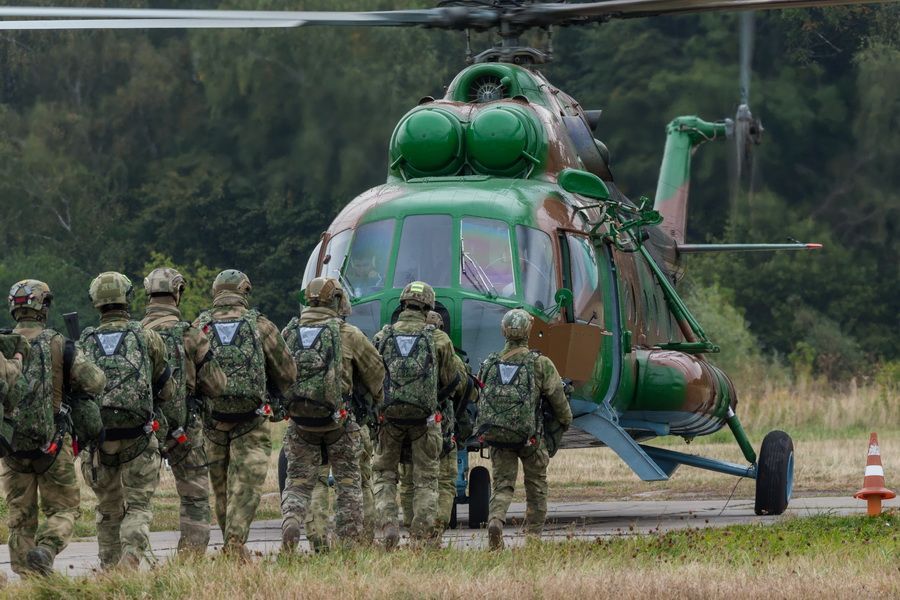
(537, 267)
(481, 330)
(369, 254)
(486, 261)
(423, 251)
(336, 250)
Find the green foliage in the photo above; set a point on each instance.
(198, 279)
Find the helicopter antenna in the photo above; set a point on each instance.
(468, 46)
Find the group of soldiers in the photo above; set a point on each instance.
(376, 415)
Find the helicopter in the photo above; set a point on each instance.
(499, 195)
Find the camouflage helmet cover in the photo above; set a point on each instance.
(31, 294)
(110, 288)
(418, 293)
(434, 318)
(324, 291)
(231, 280)
(516, 324)
(164, 280)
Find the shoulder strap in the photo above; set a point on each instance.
(513, 352)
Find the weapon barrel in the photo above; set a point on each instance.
(72, 326)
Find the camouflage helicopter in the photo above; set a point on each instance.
(499, 195)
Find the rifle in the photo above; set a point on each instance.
(72, 326)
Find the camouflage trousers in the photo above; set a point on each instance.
(426, 443)
(319, 524)
(304, 451)
(237, 472)
(192, 484)
(505, 469)
(447, 474)
(60, 499)
(123, 503)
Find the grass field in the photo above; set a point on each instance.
(827, 557)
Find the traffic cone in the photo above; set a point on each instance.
(873, 491)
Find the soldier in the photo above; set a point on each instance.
(332, 356)
(510, 420)
(422, 372)
(256, 361)
(123, 466)
(194, 369)
(43, 460)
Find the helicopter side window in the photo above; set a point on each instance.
(423, 251)
(310, 272)
(537, 267)
(585, 280)
(336, 250)
(369, 254)
(486, 260)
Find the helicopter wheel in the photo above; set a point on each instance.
(774, 474)
(479, 497)
(454, 523)
(282, 471)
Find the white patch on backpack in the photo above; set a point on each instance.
(109, 342)
(508, 373)
(309, 335)
(226, 331)
(405, 344)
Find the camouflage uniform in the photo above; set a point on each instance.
(202, 375)
(238, 451)
(25, 477)
(515, 326)
(124, 473)
(425, 441)
(340, 440)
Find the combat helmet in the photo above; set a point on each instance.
(326, 292)
(418, 294)
(516, 325)
(29, 297)
(231, 280)
(165, 281)
(110, 288)
(434, 318)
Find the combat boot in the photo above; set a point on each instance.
(290, 534)
(40, 560)
(129, 562)
(495, 534)
(236, 550)
(391, 535)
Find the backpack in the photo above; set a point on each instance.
(238, 350)
(175, 410)
(315, 396)
(509, 413)
(127, 401)
(411, 378)
(34, 416)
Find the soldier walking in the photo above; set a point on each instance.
(257, 364)
(194, 369)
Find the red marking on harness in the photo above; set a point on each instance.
(155, 425)
(75, 447)
(438, 417)
(52, 448)
(181, 438)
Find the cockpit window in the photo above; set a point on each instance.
(486, 261)
(369, 254)
(336, 250)
(537, 267)
(310, 272)
(583, 265)
(424, 249)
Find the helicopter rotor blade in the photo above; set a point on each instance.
(75, 24)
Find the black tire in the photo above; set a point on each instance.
(479, 497)
(282, 470)
(453, 521)
(774, 473)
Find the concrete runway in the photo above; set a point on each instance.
(584, 520)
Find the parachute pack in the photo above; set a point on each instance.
(509, 413)
(315, 398)
(33, 417)
(175, 410)
(411, 378)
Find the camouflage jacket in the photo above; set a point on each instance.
(280, 367)
(85, 378)
(201, 374)
(362, 365)
(546, 378)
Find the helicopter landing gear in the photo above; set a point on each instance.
(775, 474)
(454, 523)
(282, 471)
(479, 497)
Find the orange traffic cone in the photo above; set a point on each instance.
(873, 490)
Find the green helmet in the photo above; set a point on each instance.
(418, 293)
(326, 292)
(232, 280)
(516, 325)
(164, 280)
(29, 295)
(434, 318)
(110, 288)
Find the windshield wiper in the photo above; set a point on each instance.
(481, 281)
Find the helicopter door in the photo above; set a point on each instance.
(580, 275)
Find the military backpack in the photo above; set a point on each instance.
(509, 412)
(237, 345)
(34, 420)
(315, 398)
(175, 410)
(411, 375)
